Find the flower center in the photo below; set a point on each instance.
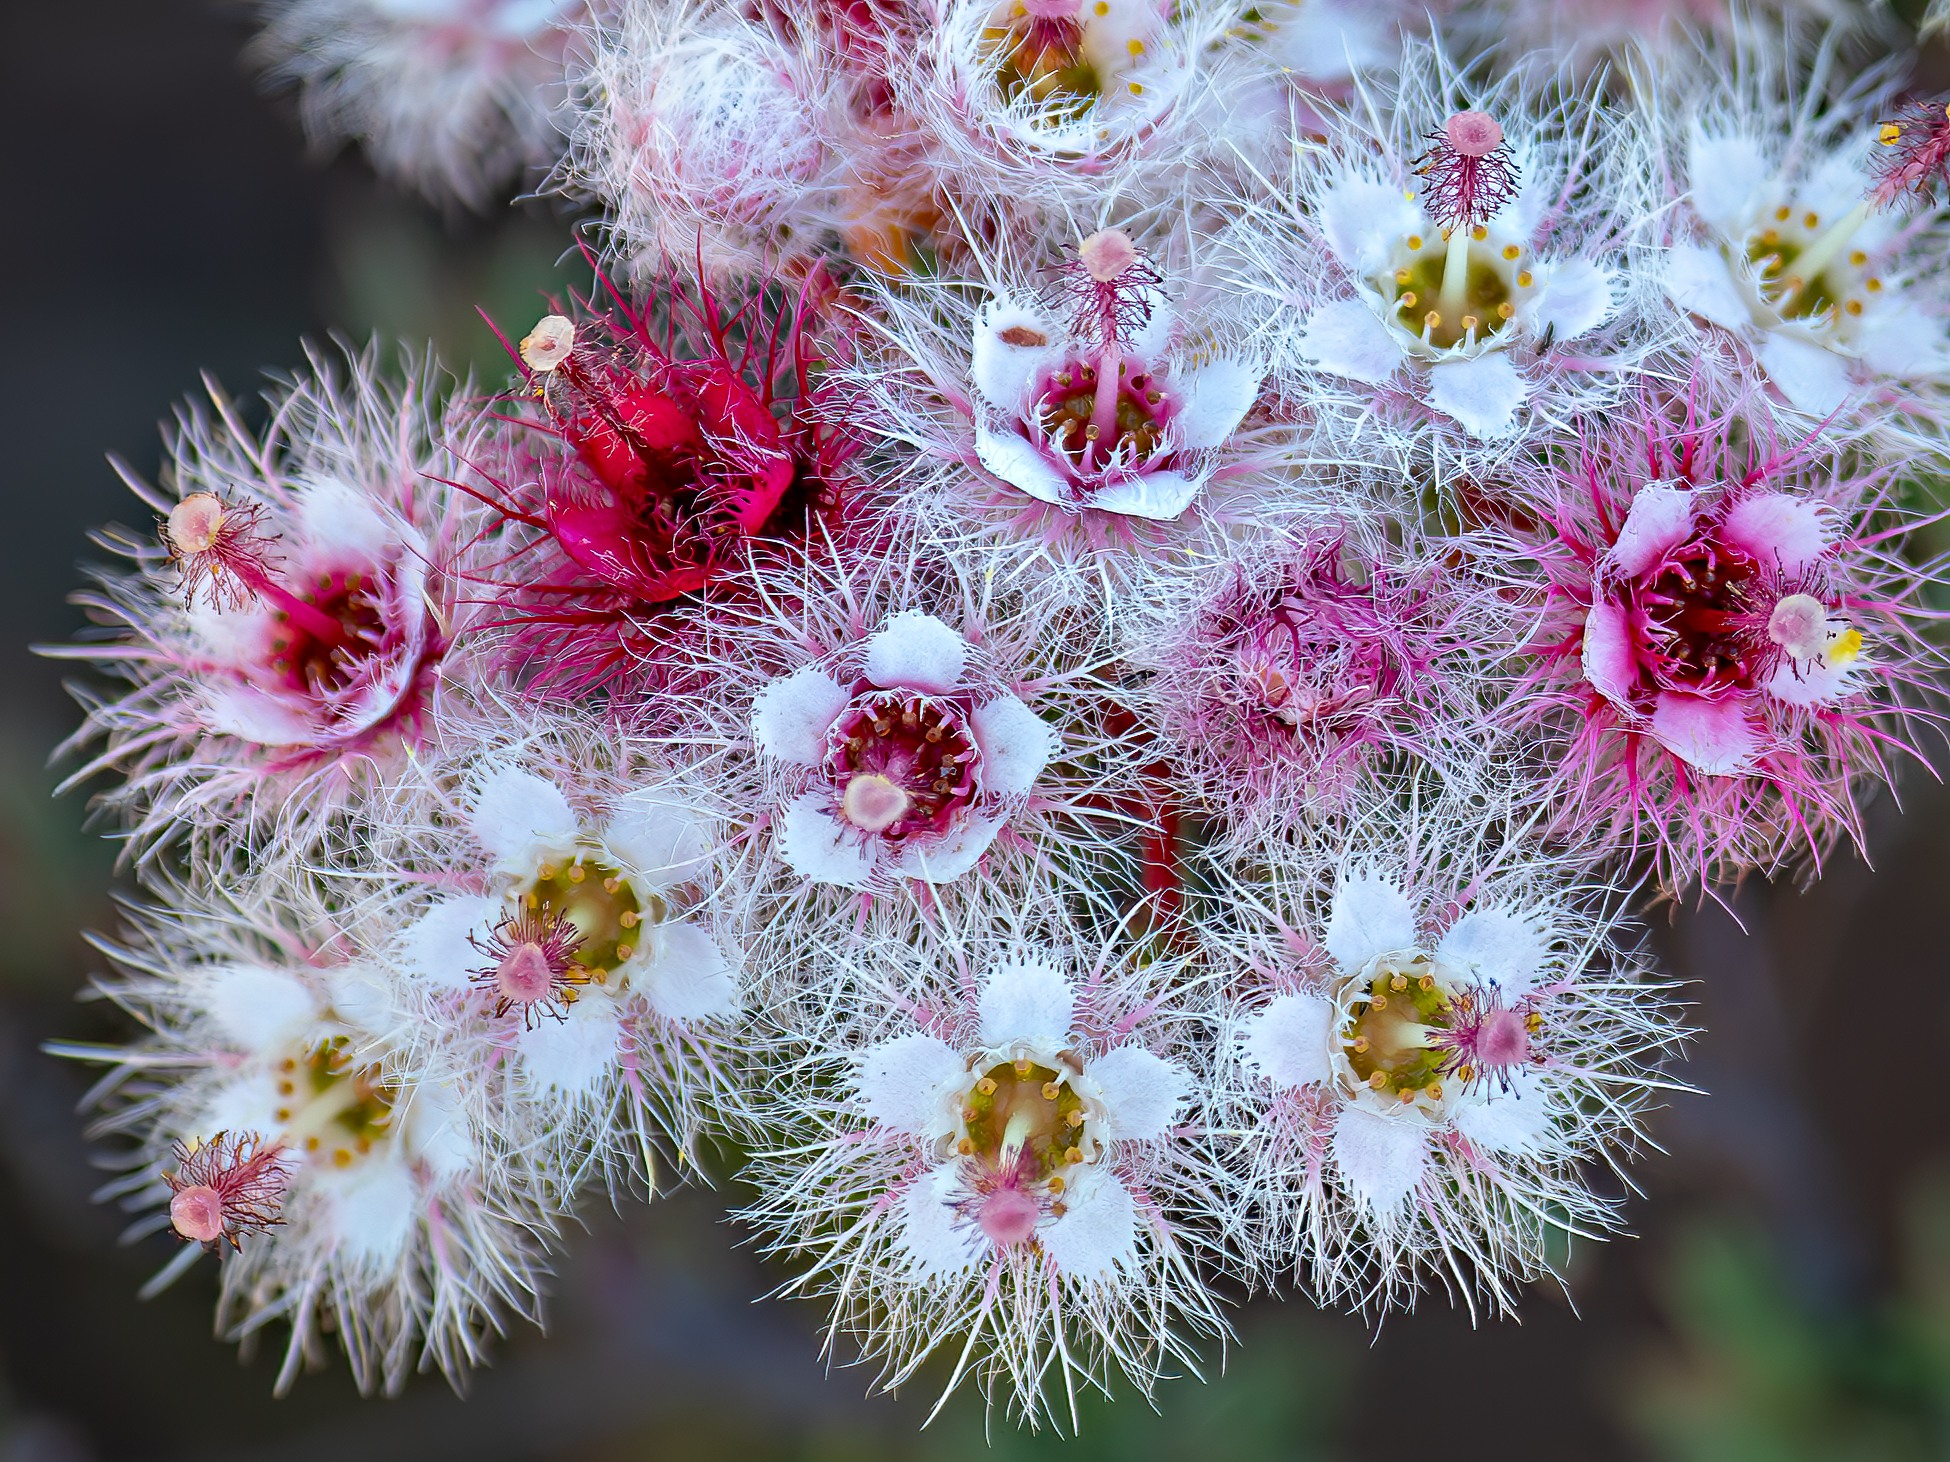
(329, 1103)
(906, 762)
(1696, 618)
(604, 908)
(1390, 1034)
(1304, 666)
(1488, 301)
(1022, 1120)
(1069, 404)
(309, 656)
(1807, 271)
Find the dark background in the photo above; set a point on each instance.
(1789, 1296)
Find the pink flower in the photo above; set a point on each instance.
(1735, 645)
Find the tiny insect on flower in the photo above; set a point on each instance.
(228, 1186)
(548, 344)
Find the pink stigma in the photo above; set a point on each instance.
(1504, 1039)
(1008, 1217)
(1473, 134)
(1107, 255)
(534, 964)
(524, 974)
(197, 1214)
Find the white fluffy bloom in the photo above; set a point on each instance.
(984, 1137)
(1827, 297)
(407, 1223)
(1503, 331)
(457, 98)
(710, 135)
(1428, 1050)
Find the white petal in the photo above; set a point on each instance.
(1370, 916)
(691, 979)
(1016, 744)
(916, 650)
(1905, 343)
(659, 836)
(1004, 372)
(1141, 1093)
(1658, 521)
(1020, 463)
(1609, 659)
(1160, 497)
(954, 855)
(1026, 1002)
(1726, 174)
(521, 819)
(1212, 402)
(572, 1056)
(435, 946)
(340, 521)
(1698, 280)
(1289, 1042)
(939, 1241)
(1577, 296)
(1787, 530)
(433, 1125)
(1382, 1161)
(1326, 41)
(252, 716)
(1715, 737)
(1344, 338)
(816, 845)
(1362, 219)
(360, 996)
(260, 1009)
(911, 1085)
(374, 1209)
(1483, 394)
(1516, 1120)
(1815, 381)
(791, 715)
(1812, 683)
(1097, 1234)
(1498, 944)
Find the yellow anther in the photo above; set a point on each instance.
(611, 885)
(1378, 1080)
(1409, 300)
(1858, 258)
(1073, 1154)
(1435, 1091)
(1075, 1119)
(1783, 214)
(966, 1146)
(1432, 319)
(1427, 982)
(1023, 1065)
(969, 1114)
(1051, 1091)
(1134, 46)
(1511, 251)
(1360, 1044)
(1890, 134)
(986, 1086)
(1136, 90)
(1854, 307)
(577, 873)
(1465, 1073)
(1873, 286)
(1526, 279)
(1400, 982)
(1811, 220)
(1402, 276)
(1056, 1184)
(1479, 233)
(628, 919)
(1379, 1002)
(1405, 1095)
(623, 952)
(1470, 322)
(1415, 241)
(1102, 7)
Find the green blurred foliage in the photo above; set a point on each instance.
(1758, 1374)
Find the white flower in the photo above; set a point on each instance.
(911, 759)
(618, 884)
(1797, 264)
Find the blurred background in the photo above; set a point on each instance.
(1788, 1295)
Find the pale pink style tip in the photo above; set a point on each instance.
(1473, 134)
(1109, 254)
(1008, 1217)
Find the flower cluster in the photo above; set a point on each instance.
(1085, 643)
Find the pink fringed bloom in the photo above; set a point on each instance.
(980, 1150)
(1288, 670)
(1735, 648)
(226, 1187)
(912, 752)
(1435, 1037)
(288, 634)
(688, 445)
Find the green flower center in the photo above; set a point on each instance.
(608, 912)
(1021, 1115)
(1489, 302)
(1389, 1027)
(331, 1107)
